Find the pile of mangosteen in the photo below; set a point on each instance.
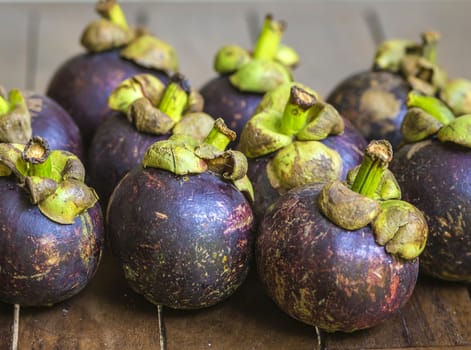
(255, 170)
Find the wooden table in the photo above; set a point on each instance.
(334, 39)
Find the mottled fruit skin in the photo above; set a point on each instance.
(83, 84)
(326, 276)
(223, 100)
(349, 145)
(375, 103)
(182, 241)
(43, 262)
(50, 121)
(116, 148)
(436, 178)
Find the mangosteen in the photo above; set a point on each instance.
(180, 225)
(433, 169)
(245, 76)
(23, 114)
(375, 100)
(342, 256)
(51, 232)
(115, 52)
(145, 111)
(294, 139)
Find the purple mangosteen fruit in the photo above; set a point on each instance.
(23, 114)
(115, 52)
(375, 100)
(144, 111)
(51, 232)
(245, 76)
(294, 139)
(342, 256)
(434, 171)
(180, 225)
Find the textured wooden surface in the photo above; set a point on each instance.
(334, 39)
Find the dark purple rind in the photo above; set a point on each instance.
(347, 97)
(116, 148)
(223, 100)
(43, 262)
(83, 84)
(349, 145)
(182, 241)
(54, 124)
(436, 178)
(323, 275)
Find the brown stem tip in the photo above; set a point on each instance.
(36, 151)
(381, 150)
(224, 129)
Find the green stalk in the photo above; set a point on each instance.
(36, 155)
(296, 111)
(175, 98)
(220, 135)
(269, 39)
(377, 156)
(112, 11)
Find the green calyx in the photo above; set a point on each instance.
(429, 116)
(266, 68)
(457, 95)
(155, 109)
(151, 52)
(182, 155)
(110, 31)
(291, 111)
(290, 121)
(54, 180)
(401, 228)
(15, 119)
(303, 162)
(416, 62)
(373, 198)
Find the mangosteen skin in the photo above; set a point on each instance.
(182, 241)
(326, 276)
(375, 103)
(83, 84)
(436, 178)
(349, 145)
(116, 148)
(223, 100)
(43, 262)
(50, 121)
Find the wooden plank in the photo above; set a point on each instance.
(450, 18)
(14, 42)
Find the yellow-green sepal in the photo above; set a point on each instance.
(261, 136)
(102, 35)
(15, 119)
(287, 56)
(457, 95)
(401, 228)
(260, 76)
(324, 120)
(229, 58)
(70, 199)
(457, 131)
(151, 52)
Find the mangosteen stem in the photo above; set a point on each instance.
(269, 38)
(36, 155)
(220, 135)
(429, 42)
(296, 111)
(162, 337)
(112, 11)
(432, 106)
(176, 97)
(377, 156)
(15, 326)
